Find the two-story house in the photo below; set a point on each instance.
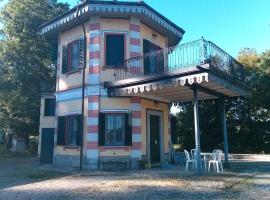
(135, 69)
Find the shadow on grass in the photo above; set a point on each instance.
(250, 166)
(15, 171)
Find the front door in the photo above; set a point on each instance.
(47, 144)
(154, 139)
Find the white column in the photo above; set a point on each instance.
(197, 131)
(224, 129)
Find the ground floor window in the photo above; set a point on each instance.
(114, 129)
(69, 130)
(73, 130)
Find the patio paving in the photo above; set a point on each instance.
(24, 179)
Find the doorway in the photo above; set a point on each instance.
(155, 137)
(153, 62)
(47, 145)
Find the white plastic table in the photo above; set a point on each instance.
(206, 157)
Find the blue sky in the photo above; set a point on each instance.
(231, 24)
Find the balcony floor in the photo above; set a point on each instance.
(178, 86)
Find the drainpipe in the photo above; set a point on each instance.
(83, 86)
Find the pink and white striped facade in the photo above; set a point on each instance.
(135, 44)
(94, 97)
(136, 148)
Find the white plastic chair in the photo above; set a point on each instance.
(193, 153)
(216, 162)
(188, 160)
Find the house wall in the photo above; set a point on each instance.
(123, 26)
(44, 121)
(73, 79)
(69, 108)
(147, 33)
(157, 106)
(126, 104)
(96, 97)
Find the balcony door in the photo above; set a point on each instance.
(153, 62)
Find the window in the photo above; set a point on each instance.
(49, 107)
(114, 129)
(69, 130)
(73, 56)
(115, 50)
(72, 130)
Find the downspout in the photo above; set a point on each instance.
(83, 86)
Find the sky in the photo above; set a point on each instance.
(231, 24)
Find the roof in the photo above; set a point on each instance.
(114, 9)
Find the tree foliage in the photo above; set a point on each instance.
(248, 119)
(26, 62)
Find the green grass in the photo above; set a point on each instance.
(36, 174)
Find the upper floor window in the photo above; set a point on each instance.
(115, 50)
(73, 56)
(49, 107)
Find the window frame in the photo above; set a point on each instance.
(66, 133)
(69, 56)
(111, 113)
(45, 114)
(105, 49)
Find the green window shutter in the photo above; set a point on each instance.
(79, 129)
(101, 134)
(61, 131)
(81, 53)
(64, 60)
(128, 130)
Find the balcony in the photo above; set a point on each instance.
(200, 64)
(181, 57)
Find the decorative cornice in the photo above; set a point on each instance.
(120, 9)
(174, 82)
(74, 94)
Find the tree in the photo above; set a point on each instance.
(26, 63)
(249, 117)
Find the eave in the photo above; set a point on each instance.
(111, 9)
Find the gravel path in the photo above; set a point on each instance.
(167, 183)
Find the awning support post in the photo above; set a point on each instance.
(197, 130)
(225, 134)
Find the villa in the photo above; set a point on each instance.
(120, 68)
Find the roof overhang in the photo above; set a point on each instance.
(114, 9)
(178, 87)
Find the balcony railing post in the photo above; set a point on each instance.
(203, 50)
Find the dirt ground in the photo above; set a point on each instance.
(24, 179)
